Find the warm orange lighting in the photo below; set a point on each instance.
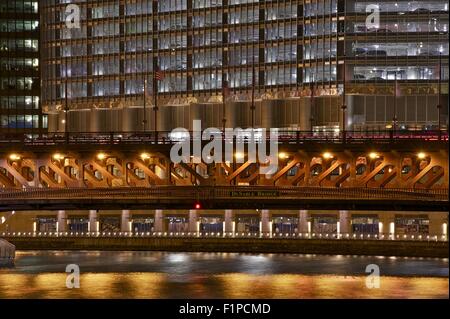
(327, 155)
(283, 155)
(14, 157)
(239, 155)
(145, 156)
(101, 156)
(421, 155)
(58, 156)
(373, 155)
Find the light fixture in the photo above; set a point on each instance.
(58, 156)
(421, 155)
(283, 155)
(14, 157)
(239, 155)
(145, 156)
(327, 155)
(101, 156)
(373, 155)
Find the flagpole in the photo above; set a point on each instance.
(439, 96)
(155, 90)
(344, 107)
(224, 96)
(253, 96)
(394, 119)
(311, 118)
(144, 121)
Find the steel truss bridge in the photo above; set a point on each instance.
(407, 170)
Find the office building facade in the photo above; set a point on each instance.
(296, 60)
(20, 108)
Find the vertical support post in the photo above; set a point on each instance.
(93, 221)
(62, 221)
(159, 220)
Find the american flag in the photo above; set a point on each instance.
(159, 75)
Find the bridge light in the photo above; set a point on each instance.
(58, 156)
(421, 155)
(101, 156)
(283, 155)
(14, 157)
(239, 155)
(373, 155)
(145, 156)
(327, 155)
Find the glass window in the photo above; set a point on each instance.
(207, 81)
(138, 7)
(281, 76)
(105, 87)
(281, 12)
(107, 11)
(171, 5)
(241, 56)
(281, 32)
(198, 4)
(281, 53)
(207, 59)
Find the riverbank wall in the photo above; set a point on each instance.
(438, 249)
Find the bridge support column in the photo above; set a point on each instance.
(93, 226)
(386, 226)
(344, 223)
(229, 222)
(61, 224)
(438, 224)
(125, 225)
(193, 221)
(303, 222)
(266, 223)
(159, 220)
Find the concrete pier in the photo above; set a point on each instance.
(7, 253)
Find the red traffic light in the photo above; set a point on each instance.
(197, 206)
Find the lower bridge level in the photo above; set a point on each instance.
(304, 224)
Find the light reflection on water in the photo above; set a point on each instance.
(40, 274)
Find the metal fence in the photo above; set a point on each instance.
(225, 193)
(167, 138)
(218, 235)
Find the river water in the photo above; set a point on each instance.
(123, 274)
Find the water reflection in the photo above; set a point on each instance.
(220, 275)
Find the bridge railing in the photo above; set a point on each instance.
(237, 235)
(224, 193)
(167, 138)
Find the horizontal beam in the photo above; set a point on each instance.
(225, 197)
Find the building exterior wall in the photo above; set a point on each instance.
(20, 105)
(309, 52)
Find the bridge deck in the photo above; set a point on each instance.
(225, 197)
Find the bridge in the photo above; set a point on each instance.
(355, 170)
(224, 197)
